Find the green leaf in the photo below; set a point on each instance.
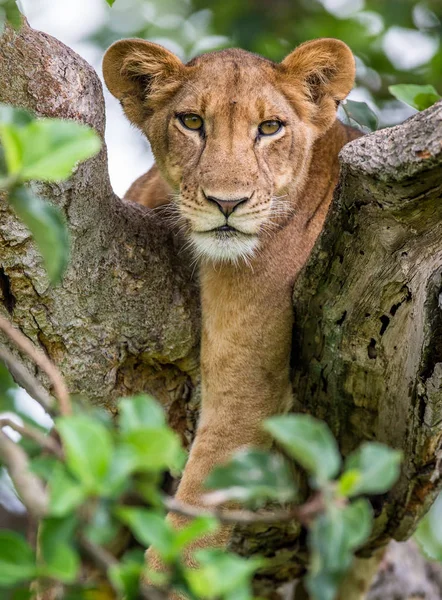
(417, 96)
(124, 463)
(221, 574)
(8, 388)
(48, 227)
(110, 2)
(44, 466)
(361, 113)
(88, 447)
(150, 529)
(10, 115)
(140, 412)
(102, 529)
(11, 120)
(13, 148)
(44, 149)
(348, 482)
(65, 494)
(309, 441)
(126, 578)
(197, 528)
(60, 560)
(17, 560)
(378, 467)
(429, 532)
(154, 449)
(253, 476)
(52, 148)
(332, 539)
(12, 13)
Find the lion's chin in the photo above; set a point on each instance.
(230, 246)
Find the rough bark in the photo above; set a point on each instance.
(367, 349)
(126, 316)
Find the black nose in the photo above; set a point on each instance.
(227, 206)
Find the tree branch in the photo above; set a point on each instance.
(28, 486)
(41, 360)
(26, 380)
(46, 442)
(303, 514)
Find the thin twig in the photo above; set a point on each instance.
(37, 436)
(304, 513)
(42, 361)
(29, 487)
(26, 380)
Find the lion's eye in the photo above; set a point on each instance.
(269, 127)
(191, 121)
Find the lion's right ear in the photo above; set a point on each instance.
(140, 74)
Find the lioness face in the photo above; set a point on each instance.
(234, 144)
(231, 132)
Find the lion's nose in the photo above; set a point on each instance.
(227, 206)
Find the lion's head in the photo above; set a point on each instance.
(231, 132)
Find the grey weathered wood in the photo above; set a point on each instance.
(367, 343)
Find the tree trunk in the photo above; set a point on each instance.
(367, 341)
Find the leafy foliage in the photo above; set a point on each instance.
(222, 575)
(374, 469)
(429, 532)
(17, 560)
(254, 476)
(333, 538)
(45, 150)
(310, 442)
(89, 486)
(47, 226)
(9, 13)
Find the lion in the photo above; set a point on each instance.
(248, 150)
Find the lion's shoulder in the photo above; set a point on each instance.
(149, 190)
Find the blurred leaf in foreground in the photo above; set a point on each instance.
(47, 226)
(309, 441)
(17, 560)
(46, 149)
(222, 575)
(10, 13)
(333, 538)
(377, 466)
(253, 476)
(429, 532)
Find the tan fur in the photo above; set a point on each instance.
(289, 179)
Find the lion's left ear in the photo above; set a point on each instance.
(138, 72)
(325, 70)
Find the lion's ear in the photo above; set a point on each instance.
(140, 73)
(325, 69)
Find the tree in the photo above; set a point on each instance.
(126, 317)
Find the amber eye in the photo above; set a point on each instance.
(269, 127)
(191, 121)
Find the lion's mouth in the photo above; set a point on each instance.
(225, 229)
(225, 243)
